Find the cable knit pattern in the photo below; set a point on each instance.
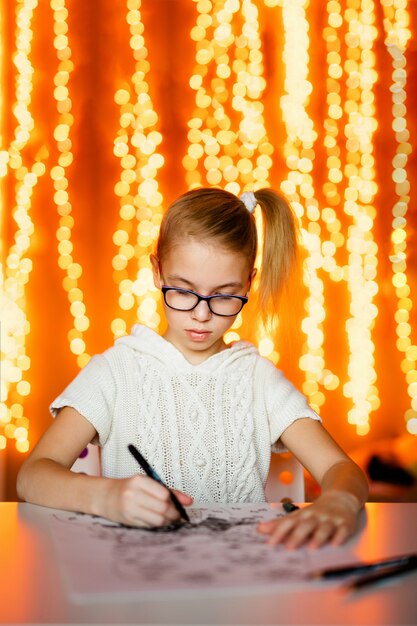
(208, 429)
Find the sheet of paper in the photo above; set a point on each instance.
(220, 549)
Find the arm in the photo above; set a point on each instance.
(333, 516)
(46, 478)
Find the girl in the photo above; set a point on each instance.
(205, 414)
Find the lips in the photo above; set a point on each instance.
(197, 335)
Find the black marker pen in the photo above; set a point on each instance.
(409, 560)
(152, 474)
(288, 505)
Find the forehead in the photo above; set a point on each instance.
(205, 264)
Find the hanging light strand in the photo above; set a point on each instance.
(228, 83)
(298, 187)
(72, 269)
(14, 323)
(360, 273)
(332, 140)
(333, 242)
(397, 37)
(137, 146)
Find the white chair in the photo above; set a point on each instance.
(88, 462)
(285, 479)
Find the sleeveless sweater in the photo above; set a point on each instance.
(207, 429)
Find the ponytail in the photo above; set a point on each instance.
(280, 250)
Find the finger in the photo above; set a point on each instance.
(184, 498)
(155, 498)
(150, 486)
(342, 533)
(266, 528)
(275, 527)
(144, 516)
(282, 529)
(322, 534)
(301, 532)
(142, 505)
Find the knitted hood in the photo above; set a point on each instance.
(147, 341)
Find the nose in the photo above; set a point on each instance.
(201, 312)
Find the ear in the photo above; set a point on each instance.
(155, 271)
(251, 277)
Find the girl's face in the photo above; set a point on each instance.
(208, 269)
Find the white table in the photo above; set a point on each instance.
(32, 590)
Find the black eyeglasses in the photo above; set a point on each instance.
(186, 300)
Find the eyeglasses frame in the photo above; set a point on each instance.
(243, 300)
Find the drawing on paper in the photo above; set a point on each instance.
(220, 547)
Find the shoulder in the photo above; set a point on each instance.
(268, 370)
(105, 368)
(279, 391)
(246, 350)
(243, 352)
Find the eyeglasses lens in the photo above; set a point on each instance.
(186, 301)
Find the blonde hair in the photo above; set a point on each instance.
(215, 214)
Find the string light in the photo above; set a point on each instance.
(228, 83)
(331, 188)
(73, 270)
(358, 204)
(4, 158)
(396, 23)
(14, 324)
(136, 145)
(333, 243)
(299, 155)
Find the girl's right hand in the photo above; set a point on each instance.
(140, 501)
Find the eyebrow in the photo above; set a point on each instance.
(230, 285)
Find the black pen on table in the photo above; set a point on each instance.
(288, 505)
(152, 474)
(407, 560)
(383, 574)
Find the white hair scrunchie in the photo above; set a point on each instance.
(249, 200)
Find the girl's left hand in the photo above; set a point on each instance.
(331, 519)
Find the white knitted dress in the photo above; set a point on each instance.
(207, 429)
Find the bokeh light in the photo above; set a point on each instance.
(267, 99)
